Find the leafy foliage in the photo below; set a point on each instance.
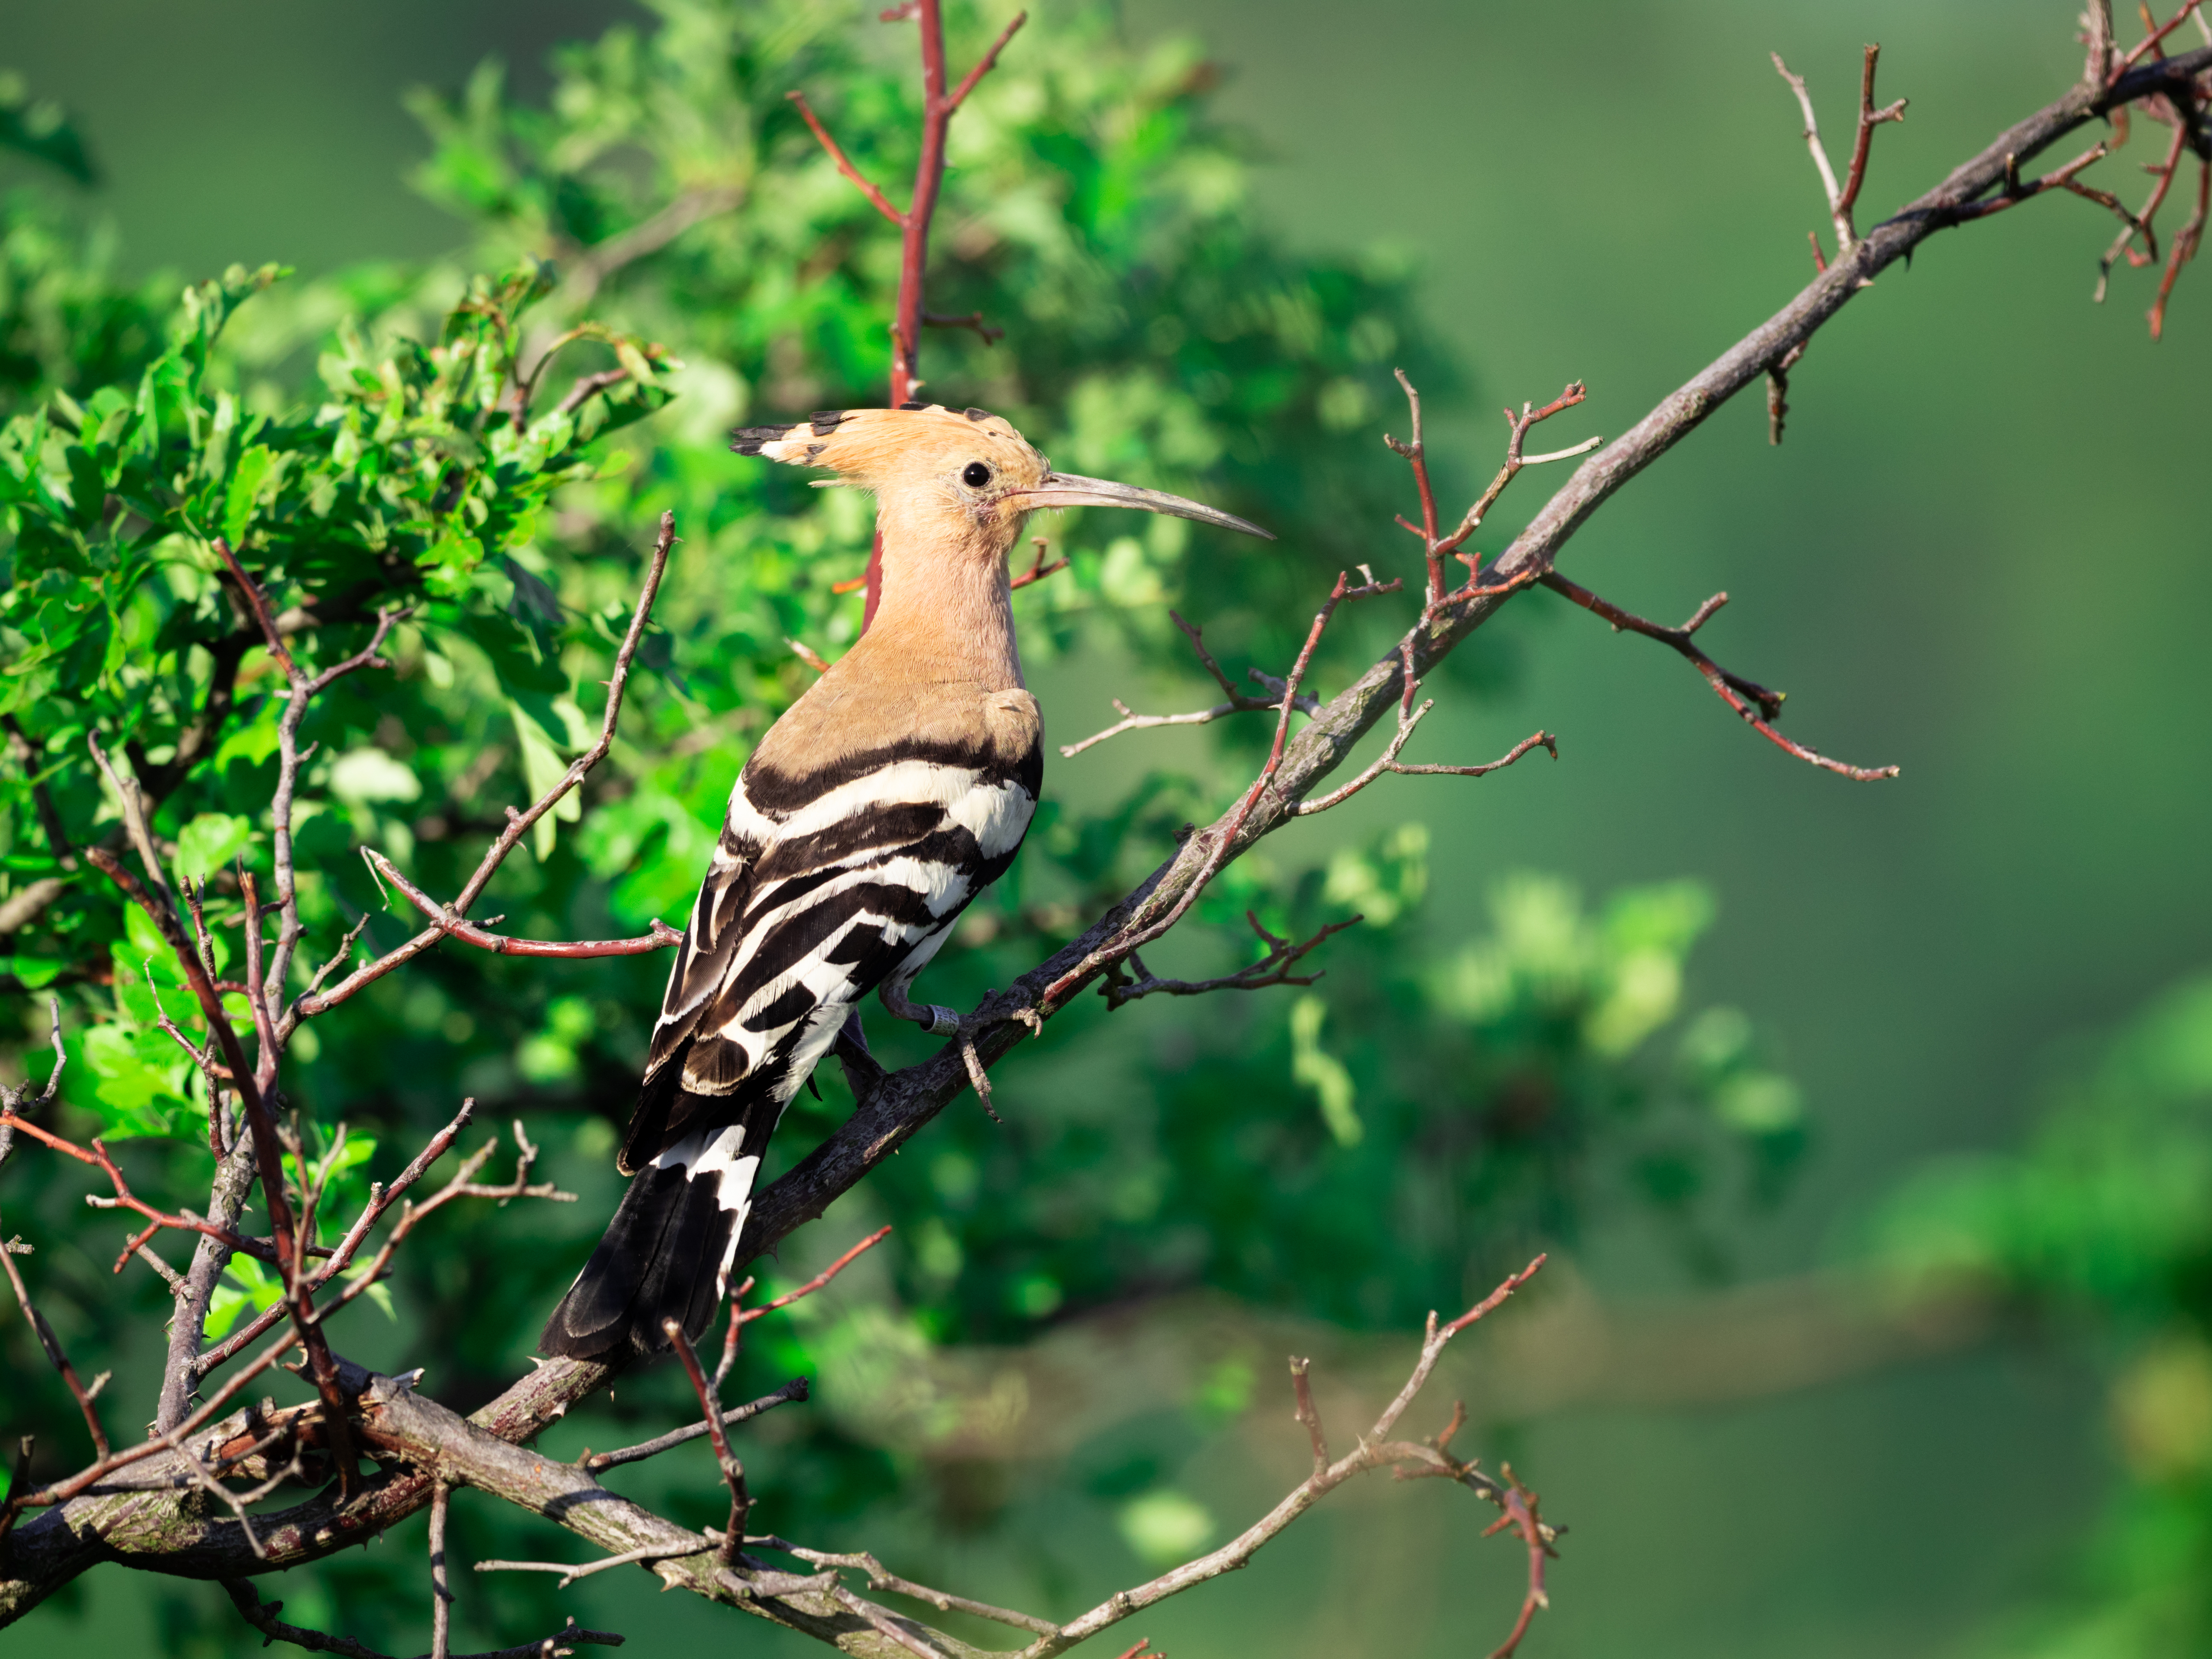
(682, 256)
(2102, 1225)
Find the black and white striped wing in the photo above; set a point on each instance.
(820, 889)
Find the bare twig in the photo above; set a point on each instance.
(1390, 762)
(1274, 968)
(1375, 1449)
(124, 1198)
(1844, 196)
(519, 824)
(463, 1185)
(745, 1316)
(984, 332)
(1436, 547)
(937, 109)
(468, 932)
(133, 799)
(733, 1472)
(2156, 37)
(881, 1578)
(1758, 706)
(1039, 569)
(570, 1572)
(57, 1356)
(859, 180)
(380, 1198)
(797, 1388)
(2013, 191)
(1223, 837)
(2185, 242)
(442, 1595)
(1239, 701)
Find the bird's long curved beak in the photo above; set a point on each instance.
(1066, 490)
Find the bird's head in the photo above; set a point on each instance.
(952, 480)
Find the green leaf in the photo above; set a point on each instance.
(543, 766)
(134, 1093)
(36, 128)
(88, 486)
(35, 972)
(254, 468)
(210, 842)
(1322, 1072)
(370, 776)
(246, 1286)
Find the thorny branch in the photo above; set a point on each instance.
(468, 932)
(1842, 198)
(1758, 706)
(139, 1505)
(1273, 968)
(519, 825)
(1239, 703)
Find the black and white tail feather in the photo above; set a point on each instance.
(822, 887)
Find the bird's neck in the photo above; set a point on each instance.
(946, 619)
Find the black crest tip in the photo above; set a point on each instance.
(748, 440)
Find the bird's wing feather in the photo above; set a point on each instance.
(820, 889)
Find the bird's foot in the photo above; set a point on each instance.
(933, 1018)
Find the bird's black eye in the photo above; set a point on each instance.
(975, 475)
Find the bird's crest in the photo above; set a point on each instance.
(870, 445)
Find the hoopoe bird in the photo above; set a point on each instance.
(890, 794)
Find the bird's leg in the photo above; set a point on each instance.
(932, 1017)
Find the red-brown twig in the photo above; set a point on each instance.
(1842, 197)
(468, 932)
(938, 108)
(746, 1317)
(2152, 40)
(1521, 1517)
(1375, 1449)
(1239, 703)
(1438, 548)
(733, 1472)
(1274, 968)
(1758, 706)
(519, 825)
(126, 1199)
(2186, 241)
(381, 1198)
(2013, 191)
(56, 1355)
(984, 332)
(1039, 570)
(2144, 222)
(1224, 839)
(1778, 384)
(859, 180)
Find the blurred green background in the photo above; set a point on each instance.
(1978, 555)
